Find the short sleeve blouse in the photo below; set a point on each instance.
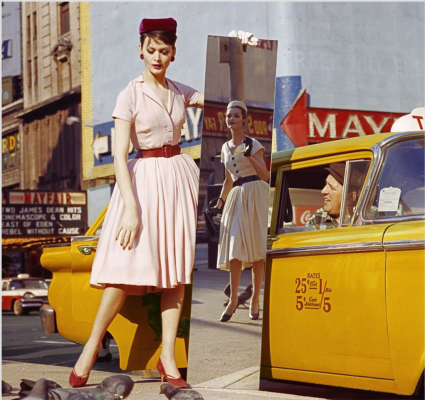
(238, 165)
(152, 124)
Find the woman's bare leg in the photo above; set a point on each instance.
(171, 307)
(235, 277)
(257, 280)
(112, 300)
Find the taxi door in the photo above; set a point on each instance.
(327, 308)
(404, 248)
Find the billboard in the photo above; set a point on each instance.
(39, 213)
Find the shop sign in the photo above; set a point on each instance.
(10, 151)
(39, 213)
(307, 125)
(259, 125)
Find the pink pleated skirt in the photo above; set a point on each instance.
(163, 253)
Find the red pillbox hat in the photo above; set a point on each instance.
(166, 24)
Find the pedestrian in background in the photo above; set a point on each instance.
(245, 196)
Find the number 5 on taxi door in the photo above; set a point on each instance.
(313, 290)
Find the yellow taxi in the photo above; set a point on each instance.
(344, 288)
(73, 305)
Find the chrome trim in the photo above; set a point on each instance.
(414, 244)
(376, 164)
(48, 320)
(400, 218)
(35, 305)
(45, 246)
(396, 136)
(84, 238)
(336, 248)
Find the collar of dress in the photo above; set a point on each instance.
(146, 89)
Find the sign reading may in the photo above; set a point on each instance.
(307, 125)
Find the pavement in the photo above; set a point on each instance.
(224, 358)
(233, 386)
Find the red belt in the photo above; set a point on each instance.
(166, 151)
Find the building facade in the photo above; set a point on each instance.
(12, 102)
(52, 95)
(42, 130)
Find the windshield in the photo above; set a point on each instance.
(27, 284)
(400, 189)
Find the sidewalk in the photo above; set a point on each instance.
(231, 386)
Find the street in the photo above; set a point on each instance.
(222, 356)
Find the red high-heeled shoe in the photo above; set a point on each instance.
(79, 381)
(176, 382)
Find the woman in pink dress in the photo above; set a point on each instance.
(148, 237)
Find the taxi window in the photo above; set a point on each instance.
(400, 188)
(301, 203)
(4, 286)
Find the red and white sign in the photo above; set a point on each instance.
(38, 197)
(307, 125)
(415, 121)
(303, 213)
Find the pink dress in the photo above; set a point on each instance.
(166, 192)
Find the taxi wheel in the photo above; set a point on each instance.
(18, 309)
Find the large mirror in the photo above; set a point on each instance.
(237, 143)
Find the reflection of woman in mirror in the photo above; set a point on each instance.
(245, 192)
(147, 243)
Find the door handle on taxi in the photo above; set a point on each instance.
(86, 250)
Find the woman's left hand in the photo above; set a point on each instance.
(248, 146)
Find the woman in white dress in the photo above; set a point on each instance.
(245, 194)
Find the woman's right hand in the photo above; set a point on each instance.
(128, 228)
(215, 210)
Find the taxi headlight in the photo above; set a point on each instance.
(28, 295)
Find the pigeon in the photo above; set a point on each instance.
(179, 394)
(27, 385)
(120, 385)
(111, 388)
(6, 388)
(243, 297)
(39, 390)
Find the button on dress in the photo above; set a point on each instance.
(243, 229)
(166, 193)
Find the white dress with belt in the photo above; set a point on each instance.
(243, 231)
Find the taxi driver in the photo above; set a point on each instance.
(327, 217)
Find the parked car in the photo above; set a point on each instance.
(73, 306)
(23, 294)
(344, 305)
